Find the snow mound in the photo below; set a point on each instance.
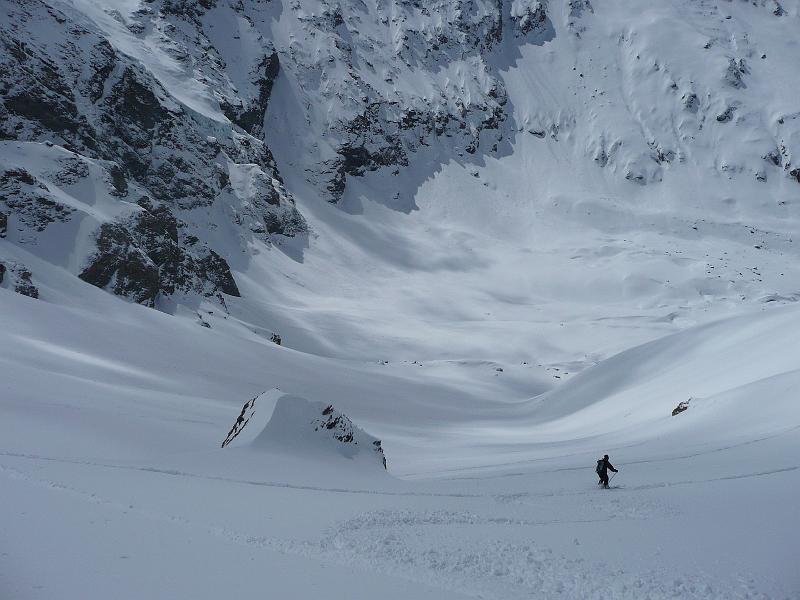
(738, 374)
(288, 424)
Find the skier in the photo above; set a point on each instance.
(602, 470)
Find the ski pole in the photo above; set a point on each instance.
(612, 478)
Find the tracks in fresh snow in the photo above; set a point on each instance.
(629, 462)
(479, 553)
(252, 482)
(337, 490)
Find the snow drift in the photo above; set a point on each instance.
(712, 363)
(287, 424)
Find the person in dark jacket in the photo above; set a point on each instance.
(603, 467)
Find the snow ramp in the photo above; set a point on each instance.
(741, 373)
(283, 424)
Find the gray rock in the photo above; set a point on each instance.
(726, 115)
(19, 278)
(682, 406)
(150, 254)
(30, 200)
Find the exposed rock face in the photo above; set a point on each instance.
(30, 200)
(118, 258)
(151, 254)
(181, 102)
(241, 421)
(23, 284)
(383, 126)
(529, 15)
(17, 277)
(250, 116)
(63, 83)
(341, 429)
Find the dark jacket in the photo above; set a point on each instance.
(605, 467)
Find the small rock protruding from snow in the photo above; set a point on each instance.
(726, 115)
(682, 406)
(737, 69)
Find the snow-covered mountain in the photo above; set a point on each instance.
(501, 236)
(175, 153)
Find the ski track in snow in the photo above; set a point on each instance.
(420, 546)
(748, 442)
(535, 526)
(278, 484)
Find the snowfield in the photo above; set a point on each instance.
(113, 476)
(502, 238)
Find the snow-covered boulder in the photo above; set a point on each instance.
(288, 424)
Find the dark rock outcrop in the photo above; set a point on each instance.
(19, 279)
(682, 406)
(529, 16)
(120, 263)
(149, 254)
(78, 92)
(250, 116)
(734, 75)
(726, 115)
(30, 200)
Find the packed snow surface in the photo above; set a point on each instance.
(111, 424)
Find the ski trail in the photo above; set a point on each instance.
(366, 492)
(612, 448)
(726, 478)
(430, 547)
(334, 490)
(274, 484)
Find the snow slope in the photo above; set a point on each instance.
(111, 431)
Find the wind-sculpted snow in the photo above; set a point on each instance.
(111, 421)
(287, 424)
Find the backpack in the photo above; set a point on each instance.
(599, 469)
